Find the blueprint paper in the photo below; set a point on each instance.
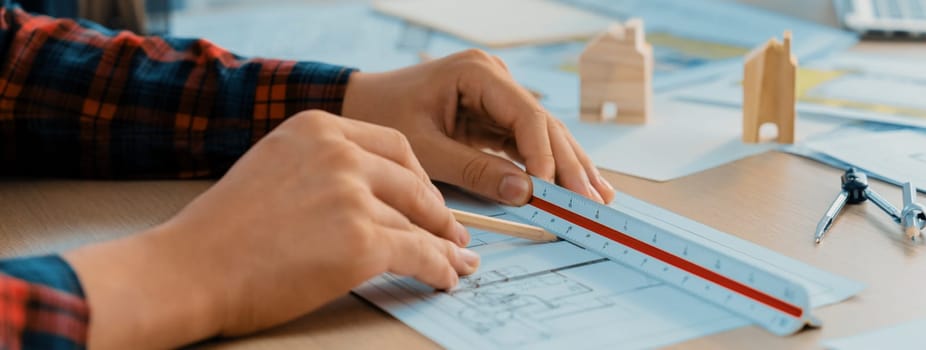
(556, 295)
(905, 336)
(869, 87)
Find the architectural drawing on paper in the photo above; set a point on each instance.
(514, 309)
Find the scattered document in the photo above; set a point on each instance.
(906, 336)
(345, 34)
(855, 86)
(556, 295)
(898, 156)
(692, 40)
(493, 23)
(679, 139)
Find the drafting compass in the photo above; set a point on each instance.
(854, 191)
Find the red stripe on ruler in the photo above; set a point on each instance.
(668, 258)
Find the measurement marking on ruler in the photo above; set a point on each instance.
(666, 257)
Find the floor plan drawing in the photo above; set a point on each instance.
(498, 309)
(530, 295)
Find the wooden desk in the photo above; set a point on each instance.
(773, 199)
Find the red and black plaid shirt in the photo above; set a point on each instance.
(79, 100)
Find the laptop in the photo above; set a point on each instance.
(884, 18)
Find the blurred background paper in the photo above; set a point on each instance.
(680, 139)
(897, 156)
(493, 23)
(906, 336)
(692, 41)
(848, 85)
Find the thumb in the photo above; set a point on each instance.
(479, 172)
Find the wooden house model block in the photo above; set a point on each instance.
(769, 84)
(616, 73)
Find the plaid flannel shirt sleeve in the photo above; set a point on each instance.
(41, 305)
(80, 100)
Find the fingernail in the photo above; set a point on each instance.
(463, 236)
(514, 189)
(470, 258)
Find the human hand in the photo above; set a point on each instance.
(318, 206)
(453, 107)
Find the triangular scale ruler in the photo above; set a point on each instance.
(777, 304)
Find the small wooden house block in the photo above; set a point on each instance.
(769, 84)
(616, 73)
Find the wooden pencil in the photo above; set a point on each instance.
(504, 227)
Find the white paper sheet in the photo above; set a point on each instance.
(905, 336)
(898, 155)
(680, 139)
(556, 295)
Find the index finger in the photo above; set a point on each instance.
(383, 141)
(492, 92)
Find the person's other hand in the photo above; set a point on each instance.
(452, 108)
(318, 206)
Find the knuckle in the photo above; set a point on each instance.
(448, 250)
(448, 255)
(343, 156)
(425, 251)
(474, 171)
(362, 239)
(346, 196)
(399, 139)
(476, 55)
(351, 215)
(421, 199)
(555, 121)
(310, 120)
(474, 60)
(276, 141)
(351, 193)
(500, 62)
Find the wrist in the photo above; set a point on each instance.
(354, 93)
(146, 289)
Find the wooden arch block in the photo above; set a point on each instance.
(769, 84)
